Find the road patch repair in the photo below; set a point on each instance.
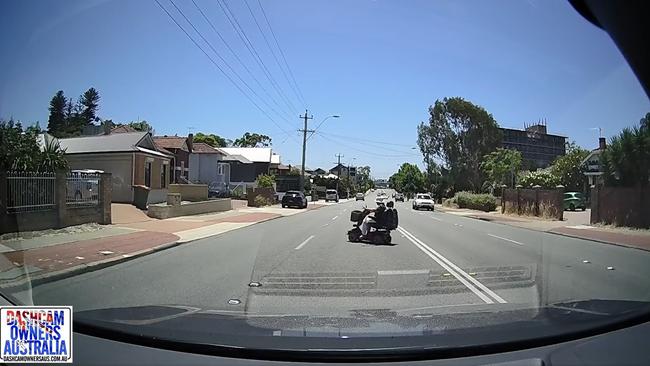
(39, 257)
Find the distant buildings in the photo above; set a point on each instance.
(538, 148)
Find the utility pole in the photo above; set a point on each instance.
(304, 148)
(338, 164)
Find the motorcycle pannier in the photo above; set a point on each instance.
(355, 215)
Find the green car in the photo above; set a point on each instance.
(573, 200)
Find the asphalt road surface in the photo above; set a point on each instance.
(304, 264)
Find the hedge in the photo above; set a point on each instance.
(476, 201)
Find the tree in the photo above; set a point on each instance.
(626, 161)
(56, 123)
(569, 168)
(90, 102)
(265, 181)
(364, 180)
(542, 178)
(460, 133)
(20, 151)
(142, 126)
(500, 166)
(408, 179)
(211, 139)
(252, 140)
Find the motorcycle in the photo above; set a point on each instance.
(379, 232)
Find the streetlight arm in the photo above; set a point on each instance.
(321, 122)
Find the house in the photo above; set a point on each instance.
(207, 165)
(343, 171)
(246, 163)
(593, 166)
(132, 158)
(180, 147)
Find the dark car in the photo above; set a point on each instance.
(294, 199)
(399, 197)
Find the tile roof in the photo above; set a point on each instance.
(171, 142)
(123, 129)
(203, 148)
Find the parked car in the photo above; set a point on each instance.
(331, 195)
(218, 190)
(399, 197)
(423, 200)
(360, 197)
(294, 199)
(82, 185)
(573, 200)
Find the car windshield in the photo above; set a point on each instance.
(411, 174)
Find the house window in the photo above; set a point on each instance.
(147, 174)
(163, 173)
(219, 169)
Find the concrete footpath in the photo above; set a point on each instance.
(575, 224)
(38, 257)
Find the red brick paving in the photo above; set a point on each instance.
(65, 255)
(628, 240)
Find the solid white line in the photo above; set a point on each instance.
(506, 239)
(335, 217)
(304, 242)
(460, 278)
(432, 253)
(403, 272)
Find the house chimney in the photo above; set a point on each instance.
(190, 141)
(601, 143)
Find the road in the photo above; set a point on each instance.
(304, 264)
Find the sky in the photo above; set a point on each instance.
(378, 64)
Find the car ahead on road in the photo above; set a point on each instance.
(573, 200)
(423, 200)
(399, 197)
(359, 197)
(331, 195)
(294, 199)
(380, 200)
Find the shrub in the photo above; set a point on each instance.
(475, 201)
(265, 181)
(260, 201)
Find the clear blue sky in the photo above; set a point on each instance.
(379, 64)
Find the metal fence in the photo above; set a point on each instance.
(30, 191)
(82, 189)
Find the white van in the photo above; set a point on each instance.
(331, 195)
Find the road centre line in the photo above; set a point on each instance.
(335, 217)
(435, 218)
(506, 239)
(470, 282)
(304, 242)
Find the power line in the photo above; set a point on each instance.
(219, 68)
(249, 45)
(302, 98)
(205, 17)
(367, 152)
(371, 141)
(268, 44)
(225, 62)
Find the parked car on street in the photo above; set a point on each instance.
(360, 197)
(573, 200)
(331, 195)
(423, 200)
(399, 197)
(294, 199)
